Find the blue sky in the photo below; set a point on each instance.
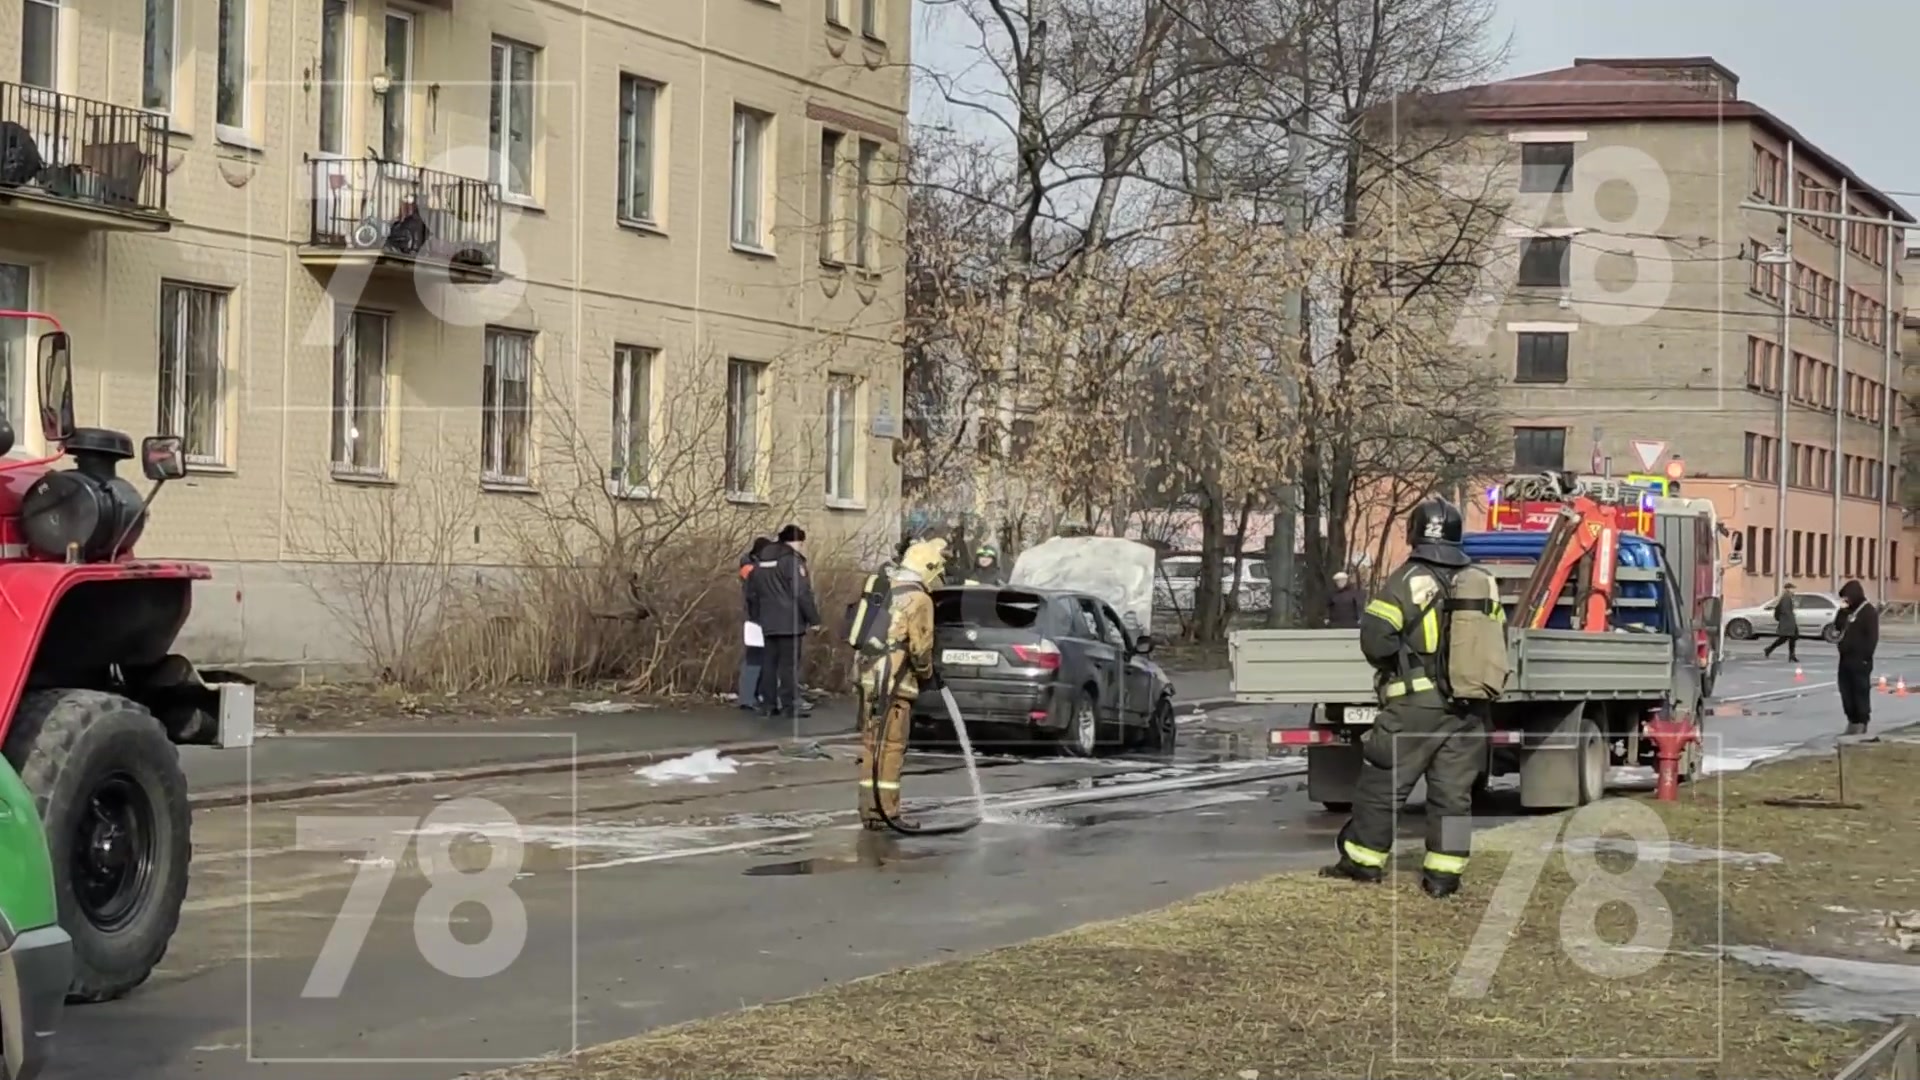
(1843, 72)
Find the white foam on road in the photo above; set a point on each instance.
(1673, 852)
(699, 767)
(1843, 990)
(1739, 758)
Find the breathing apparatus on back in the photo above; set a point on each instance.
(869, 617)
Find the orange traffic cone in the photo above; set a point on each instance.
(1900, 689)
(1883, 684)
(1799, 676)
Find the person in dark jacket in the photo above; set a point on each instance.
(1786, 627)
(751, 655)
(986, 568)
(1344, 603)
(780, 599)
(1859, 624)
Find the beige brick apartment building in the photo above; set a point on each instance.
(1635, 301)
(352, 247)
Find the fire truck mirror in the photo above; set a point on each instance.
(56, 387)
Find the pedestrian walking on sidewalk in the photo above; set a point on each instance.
(780, 599)
(1859, 624)
(753, 644)
(1786, 627)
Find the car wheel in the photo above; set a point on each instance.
(1163, 728)
(1082, 737)
(1740, 630)
(1831, 634)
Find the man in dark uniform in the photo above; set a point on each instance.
(1420, 732)
(780, 599)
(986, 568)
(1859, 624)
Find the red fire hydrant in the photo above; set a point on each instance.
(1670, 735)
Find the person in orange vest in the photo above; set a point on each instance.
(751, 655)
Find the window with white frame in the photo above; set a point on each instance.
(40, 44)
(396, 106)
(512, 116)
(843, 438)
(506, 407)
(630, 470)
(230, 57)
(333, 77)
(156, 57)
(749, 177)
(638, 101)
(865, 177)
(829, 212)
(360, 356)
(193, 369)
(744, 382)
(870, 18)
(16, 294)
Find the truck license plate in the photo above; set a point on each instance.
(970, 657)
(1361, 714)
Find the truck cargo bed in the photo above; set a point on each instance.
(1324, 667)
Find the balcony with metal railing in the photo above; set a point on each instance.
(394, 217)
(68, 159)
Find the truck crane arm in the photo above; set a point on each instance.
(1584, 541)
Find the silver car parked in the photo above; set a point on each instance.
(1813, 615)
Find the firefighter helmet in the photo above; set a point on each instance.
(928, 558)
(1435, 521)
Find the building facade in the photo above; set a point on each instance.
(362, 254)
(1642, 316)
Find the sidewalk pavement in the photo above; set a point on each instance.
(301, 764)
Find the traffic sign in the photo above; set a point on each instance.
(1649, 451)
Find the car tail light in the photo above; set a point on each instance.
(1044, 655)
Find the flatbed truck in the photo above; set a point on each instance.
(1576, 701)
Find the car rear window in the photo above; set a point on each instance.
(1181, 569)
(987, 609)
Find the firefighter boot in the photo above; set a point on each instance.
(1439, 885)
(1357, 862)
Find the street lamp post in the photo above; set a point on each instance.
(1782, 257)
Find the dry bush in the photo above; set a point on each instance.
(635, 581)
(389, 560)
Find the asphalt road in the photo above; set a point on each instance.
(645, 904)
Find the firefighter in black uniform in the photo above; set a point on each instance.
(1420, 731)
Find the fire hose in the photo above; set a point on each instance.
(966, 751)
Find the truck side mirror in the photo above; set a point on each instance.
(163, 458)
(56, 387)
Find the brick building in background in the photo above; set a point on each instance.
(616, 204)
(1602, 353)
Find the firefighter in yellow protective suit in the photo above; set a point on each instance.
(889, 683)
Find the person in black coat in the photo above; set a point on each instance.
(1786, 627)
(1344, 603)
(1859, 624)
(780, 599)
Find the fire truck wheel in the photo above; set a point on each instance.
(113, 801)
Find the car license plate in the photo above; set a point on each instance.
(1361, 714)
(970, 657)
